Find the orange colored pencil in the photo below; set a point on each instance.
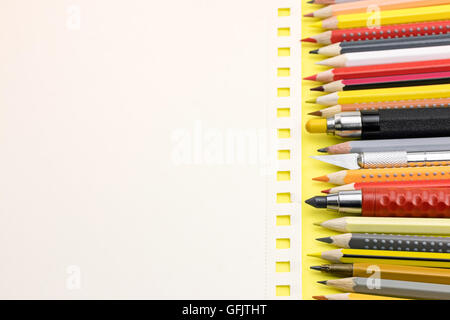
(387, 174)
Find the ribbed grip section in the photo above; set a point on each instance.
(392, 31)
(399, 242)
(371, 160)
(392, 202)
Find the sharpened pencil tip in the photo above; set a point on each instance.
(312, 78)
(314, 51)
(316, 255)
(311, 1)
(327, 191)
(318, 268)
(321, 89)
(321, 178)
(319, 202)
(325, 240)
(319, 297)
(309, 15)
(309, 40)
(317, 224)
(315, 113)
(310, 101)
(322, 282)
(323, 150)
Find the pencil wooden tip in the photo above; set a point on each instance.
(315, 113)
(321, 89)
(309, 40)
(312, 78)
(322, 179)
(326, 191)
(309, 15)
(320, 298)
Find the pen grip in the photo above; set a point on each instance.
(407, 123)
(415, 203)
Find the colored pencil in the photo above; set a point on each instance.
(388, 174)
(361, 6)
(409, 145)
(354, 296)
(381, 95)
(387, 271)
(387, 56)
(390, 184)
(408, 104)
(424, 226)
(403, 289)
(390, 242)
(382, 70)
(422, 259)
(358, 20)
(409, 80)
(330, 1)
(379, 45)
(398, 31)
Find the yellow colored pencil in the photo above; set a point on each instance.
(408, 258)
(354, 296)
(381, 18)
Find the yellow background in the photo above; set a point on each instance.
(313, 168)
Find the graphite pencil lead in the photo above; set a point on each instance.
(314, 51)
(322, 282)
(319, 202)
(325, 240)
(323, 150)
(318, 268)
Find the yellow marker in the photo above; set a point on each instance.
(316, 126)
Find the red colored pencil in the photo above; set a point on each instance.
(383, 32)
(382, 70)
(395, 184)
(407, 80)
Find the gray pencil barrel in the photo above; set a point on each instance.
(399, 242)
(404, 289)
(409, 145)
(396, 43)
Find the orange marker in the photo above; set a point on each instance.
(385, 175)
